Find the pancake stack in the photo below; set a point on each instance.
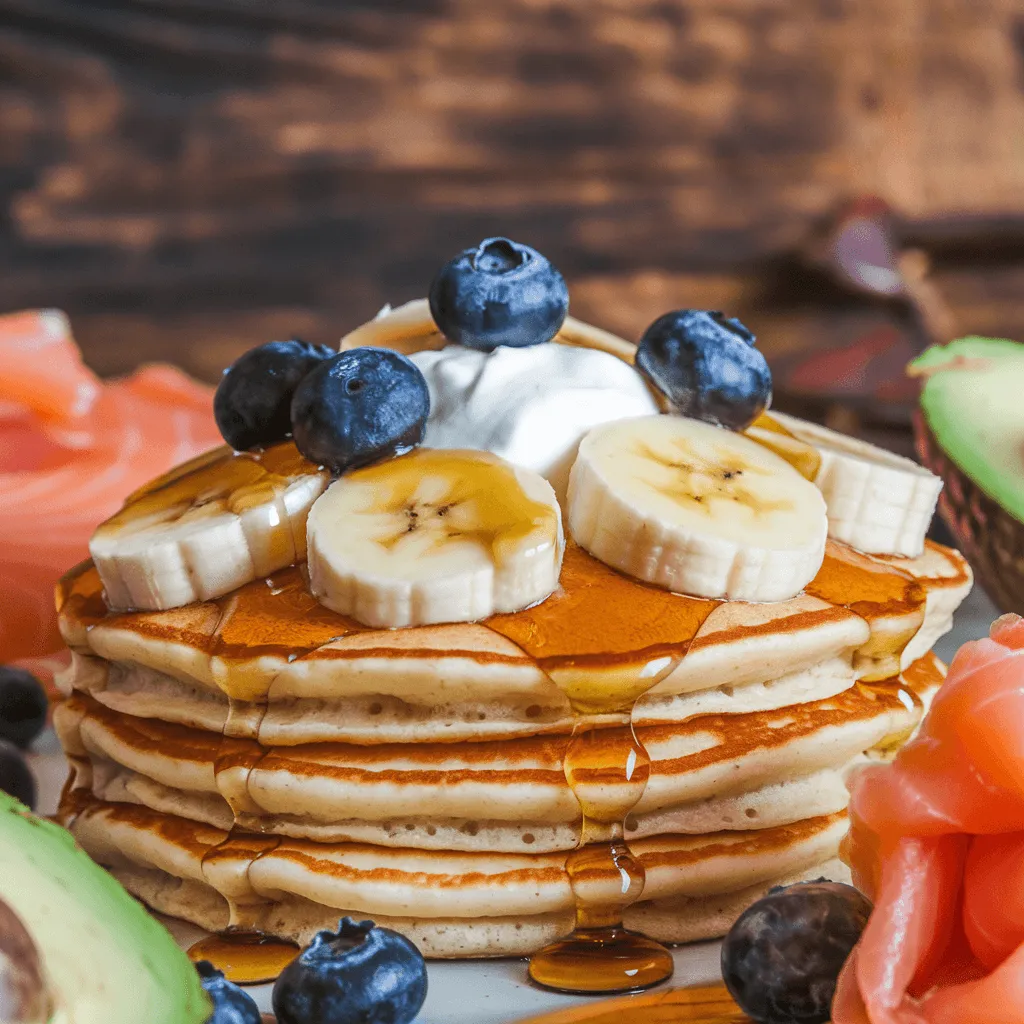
(260, 762)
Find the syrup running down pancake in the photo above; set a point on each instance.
(232, 776)
(613, 755)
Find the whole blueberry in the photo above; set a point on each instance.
(253, 402)
(781, 958)
(499, 293)
(707, 367)
(16, 777)
(23, 706)
(361, 975)
(230, 1004)
(361, 406)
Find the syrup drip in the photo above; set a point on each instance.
(246, 958)
(605, 640)
(607, 768)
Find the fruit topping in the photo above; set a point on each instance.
(359, 407)
(103, 957)
(253, 402)
(24, 998)
(499, 293)
(971, 401)
(707, 367)
(210, 526)
(781, 958)
(877, 501)
(16, 777)
(23, 706)
(230, 1004)
(361, 975)
(435, 536)
(696, 510)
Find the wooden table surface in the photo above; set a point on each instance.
(191, 177)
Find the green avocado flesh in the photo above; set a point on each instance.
(973, 402)
(105, 960)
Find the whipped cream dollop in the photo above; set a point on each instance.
(531, 406)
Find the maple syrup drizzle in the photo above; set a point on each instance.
(246, 958)
(607, 769)
(605, 640)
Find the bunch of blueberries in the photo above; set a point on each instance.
(360, 974)
(351, 409)
(23, 708)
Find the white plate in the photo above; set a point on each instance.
(459, 992)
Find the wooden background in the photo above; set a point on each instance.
(191, 177)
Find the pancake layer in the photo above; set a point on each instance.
(261, 762)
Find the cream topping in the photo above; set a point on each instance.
(531, 406)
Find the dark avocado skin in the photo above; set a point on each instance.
(991, 538)
(360, 975)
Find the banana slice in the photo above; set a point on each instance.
(411, 328)
(214, 524)
(435, 536)
(696, 509)
(878, 502)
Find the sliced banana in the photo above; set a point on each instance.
(435, 536)
(696, 509)
(878, 502)
(214, 524)
(410, 328)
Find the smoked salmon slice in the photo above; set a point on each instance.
(937, 840)
(72, 446)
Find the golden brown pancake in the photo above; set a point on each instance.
(267, 661)
(491, 795)
(260, 761)
(484, 902)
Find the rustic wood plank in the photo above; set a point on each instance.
(189, 176)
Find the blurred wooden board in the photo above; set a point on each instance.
(189, 177)
(710, 1004)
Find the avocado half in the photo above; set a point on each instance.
(101, 958)
(970, 432)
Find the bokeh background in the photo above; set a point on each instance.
(187, 178)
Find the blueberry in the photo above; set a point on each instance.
(252, 405)
(361, 406)
(23, 706)
(707, 367)
(230, 1004)
(500, 293)
(781, 958)
(361, 975)
(16, 777)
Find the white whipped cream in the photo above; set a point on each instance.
(531, 406)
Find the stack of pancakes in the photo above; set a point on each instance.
(260, 762)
